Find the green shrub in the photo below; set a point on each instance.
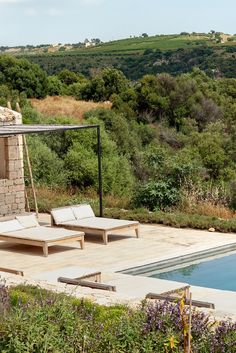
(156, 195)
(47, 167)
(55, 86)
(21, 75)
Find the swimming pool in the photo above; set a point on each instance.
(218, 273)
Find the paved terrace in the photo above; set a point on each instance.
(156, 243)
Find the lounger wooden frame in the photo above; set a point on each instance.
(45, 244)
(96, 231)
(198, 303)
(84, 283)
(12, 271)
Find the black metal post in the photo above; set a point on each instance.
(100, 170)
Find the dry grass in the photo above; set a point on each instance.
(212, 202)
(206, 208)
(48, 198)
(66, 106)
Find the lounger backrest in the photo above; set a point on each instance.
(61, 215)
(10, 226)
(28, 221)
(83, 211)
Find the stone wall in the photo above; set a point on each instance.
(12, 186)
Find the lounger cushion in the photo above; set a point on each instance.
(101, 223)
(28, 221)
(9, 226)
(42, 233)
(83, 211)
(63, 215)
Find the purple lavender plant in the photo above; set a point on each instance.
(4, 299)
(224, 338)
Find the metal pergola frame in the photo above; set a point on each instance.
(12, 130)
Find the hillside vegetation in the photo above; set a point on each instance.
(168, 142)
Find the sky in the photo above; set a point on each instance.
(71, 21)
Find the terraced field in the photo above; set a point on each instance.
(140, 44)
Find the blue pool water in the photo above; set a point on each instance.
(218, 273)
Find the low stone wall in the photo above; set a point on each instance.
(12, 186)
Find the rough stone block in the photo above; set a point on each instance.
(14, 207)
(11, 189)
(12, 175)
(3, 210)
(9, 199)
(19, 200)
(21, 194)
(8, 182)
(11, 141)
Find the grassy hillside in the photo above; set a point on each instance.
(140, 44)
(175, 54)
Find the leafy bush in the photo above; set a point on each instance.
(156, 195)
(21, 75)
(11, 95)
(82, 165)
(55, 86)
(47, 167)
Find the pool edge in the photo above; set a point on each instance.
(175, 261)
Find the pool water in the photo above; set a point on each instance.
(219, 273)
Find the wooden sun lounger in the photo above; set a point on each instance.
(90, 284)
(38, 235)
(198, 303)
(81, 217)
(76, 275)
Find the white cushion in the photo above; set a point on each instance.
(10, 226)
(61, 215)
(28, 221)
(83, 211)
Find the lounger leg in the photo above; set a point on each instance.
(98, 278)
(105, 238)
(82, 242)
(137, 231)
(45, 249)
